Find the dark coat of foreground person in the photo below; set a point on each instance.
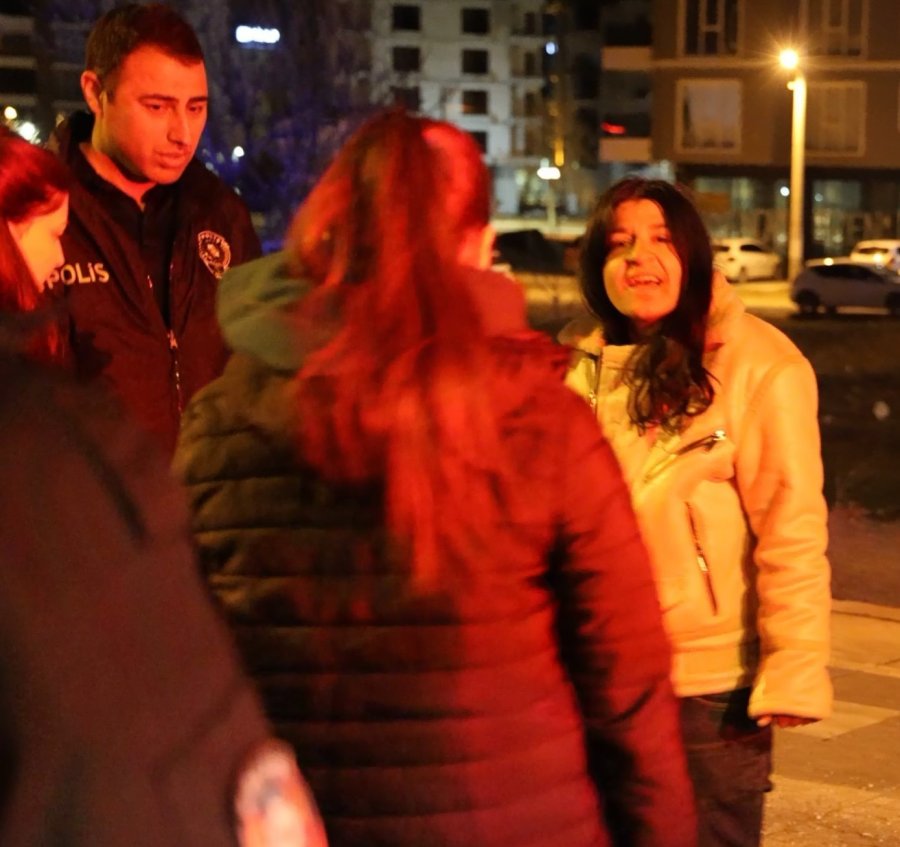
(124, 716)
(507, 701)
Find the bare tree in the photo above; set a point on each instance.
(287, 106)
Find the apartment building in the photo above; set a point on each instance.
(39, 71)
(721, 114)
(477, 64)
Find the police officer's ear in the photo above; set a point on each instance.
(91, 88)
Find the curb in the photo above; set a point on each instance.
(857, 608)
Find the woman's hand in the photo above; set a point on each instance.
(784, 721)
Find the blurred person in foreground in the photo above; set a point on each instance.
(712, 415)
(422, 543)
(123, 716)
(34, 209)
(152, 230)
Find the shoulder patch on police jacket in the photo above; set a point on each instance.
(215, 252)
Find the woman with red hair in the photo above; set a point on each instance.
(422, 543)
(34, 210)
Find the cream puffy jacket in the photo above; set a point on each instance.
(732, 512)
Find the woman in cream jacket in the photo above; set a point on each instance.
(712, 414)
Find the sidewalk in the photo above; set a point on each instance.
(837, 782)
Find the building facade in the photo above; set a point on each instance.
(476, 64)
(722, 114)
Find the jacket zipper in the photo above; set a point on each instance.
(176, 371)
(701, 560)
(706, 443)
(173, 351)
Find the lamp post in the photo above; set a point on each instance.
(790, 59)
(549, 173)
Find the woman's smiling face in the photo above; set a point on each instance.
(643, 273)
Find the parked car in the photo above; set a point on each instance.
(834, 283)
(528, 250)
(741, 259)
(879, 251)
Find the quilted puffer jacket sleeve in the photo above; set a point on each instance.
(616, 649)
(779, 470)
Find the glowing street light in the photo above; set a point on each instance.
(549, 173)
(790, 60)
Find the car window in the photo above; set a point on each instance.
(829, 271)
(720, 248)
(751, 248)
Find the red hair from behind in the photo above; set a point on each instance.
(396, 387)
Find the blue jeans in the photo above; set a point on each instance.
(729, 760)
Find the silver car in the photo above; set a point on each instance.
(830, 284)
(741, 259)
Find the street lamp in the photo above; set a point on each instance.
(791, 60)
(549, 173)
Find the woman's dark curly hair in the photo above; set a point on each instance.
(666, 375)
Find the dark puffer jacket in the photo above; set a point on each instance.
(505, 705)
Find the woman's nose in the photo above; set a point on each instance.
(635, 251)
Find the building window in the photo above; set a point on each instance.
(835, 27)
(405, 59)
(475, 102)
(835, 118)
(710, 27)
(475, 61)
(481, 139)
(405, 18)
(476, 21)
(529, 23)
(585, 78)
(407, 96)
(532, 105)
(709, 115)
(586, 14)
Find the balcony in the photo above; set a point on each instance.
(626, 59)
(624, 149)
(625, 138)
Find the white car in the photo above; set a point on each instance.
(741, 259)
(879, 251)
(832, 283)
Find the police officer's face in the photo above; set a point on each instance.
(150, 123)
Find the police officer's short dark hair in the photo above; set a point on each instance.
(121, 31)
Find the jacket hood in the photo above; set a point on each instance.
(586, 334)
(257, 303)
(255, 307)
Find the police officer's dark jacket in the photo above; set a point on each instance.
(118, 331)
